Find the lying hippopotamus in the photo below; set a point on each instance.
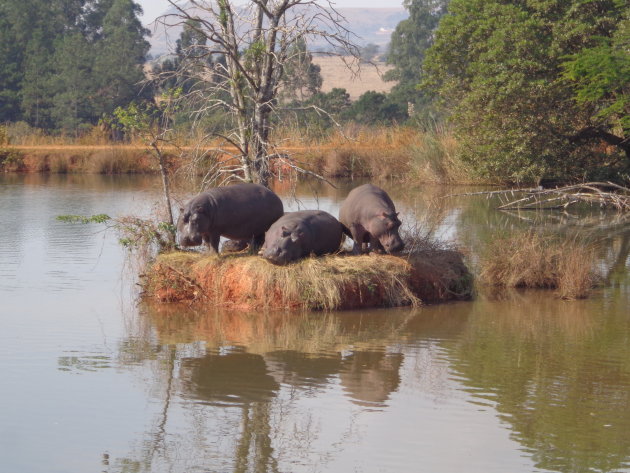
(371, 217)
(298, 234)
(238, 212)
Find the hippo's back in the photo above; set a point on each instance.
(243, 210)
(363, 202)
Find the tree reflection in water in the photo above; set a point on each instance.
(230, 361)
(558, 374)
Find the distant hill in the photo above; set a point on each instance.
(371, 25)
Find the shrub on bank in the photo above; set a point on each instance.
(11, 160)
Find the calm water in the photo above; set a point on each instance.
(94, 381)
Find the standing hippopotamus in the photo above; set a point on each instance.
(238, 212)
(298, 234)
(371, 217)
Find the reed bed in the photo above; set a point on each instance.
(531, 260)
(353, 150)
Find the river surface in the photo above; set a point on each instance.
(95, 380)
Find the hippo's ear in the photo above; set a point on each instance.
(295, 236)
(198, 209)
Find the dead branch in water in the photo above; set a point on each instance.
(603, 194)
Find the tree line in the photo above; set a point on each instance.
(533, 89)
(66, 63)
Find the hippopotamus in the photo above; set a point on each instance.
(298, 234)
(233, 246)
(238, 212)
(371, 217)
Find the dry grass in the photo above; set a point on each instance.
(530, 260)
(327, 283)
(401, 152)
(433, 159)
(354, 150)
(335, 74)
(117, 161)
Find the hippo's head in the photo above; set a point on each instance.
(191, 225)
(385, 228)
(287, 248)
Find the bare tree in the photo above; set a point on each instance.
(239, 67)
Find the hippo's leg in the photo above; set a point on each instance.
(358, 235)
(375, 245)
(212, 242)
(256, 243)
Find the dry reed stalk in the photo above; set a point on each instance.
(117, 161)
(577, 276)
(529, 260)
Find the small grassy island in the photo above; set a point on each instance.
(322, 283)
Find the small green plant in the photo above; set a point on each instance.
(100, 218)
(11, 159)
(135, 233)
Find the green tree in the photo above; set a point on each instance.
(497, 66)
(600, 77)
(301, 77)
(409, 43)
(11, 58)
(121, 54)
(369, 52)
(72, 83)
(375, 107)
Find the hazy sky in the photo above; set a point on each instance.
(154, 8)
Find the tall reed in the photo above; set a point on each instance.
(532, 260)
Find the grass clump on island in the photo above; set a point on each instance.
(532, 260)
(322, 283)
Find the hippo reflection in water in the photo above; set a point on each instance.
(238, 212)
(370, 215)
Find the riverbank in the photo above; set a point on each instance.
(390, 152)
(331, 282)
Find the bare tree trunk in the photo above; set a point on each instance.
(165, 186)
(256, 38)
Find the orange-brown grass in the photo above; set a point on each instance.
(531, 260)
(354, 150)
(329, 282)
(350, 151)
(117, 161)
(96, 161)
